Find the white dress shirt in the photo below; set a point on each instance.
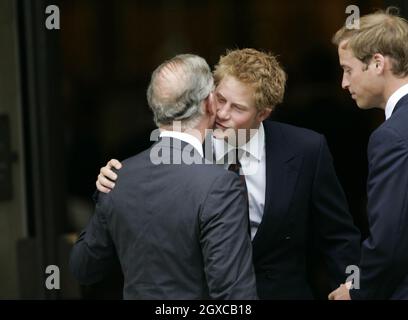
(253, 161)
(188, 138)
(393, 100)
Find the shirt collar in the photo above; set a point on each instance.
(254, 146)
(393, 100)
(188, 138)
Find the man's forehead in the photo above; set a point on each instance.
(231, 82)
(345, 50)
(243, 98)
(345, 55)
(344, 44)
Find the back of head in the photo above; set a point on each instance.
(177, 88)
(259, 69)
(382, 32)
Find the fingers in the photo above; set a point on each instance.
(105, 182)
(341, 293)
(101, 188)
(333, 295)
(106, 172)
(113, 163)
(341, 297)
(107, 176)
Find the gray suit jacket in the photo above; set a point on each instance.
(180, 231)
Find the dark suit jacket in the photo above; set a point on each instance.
(180, 231)
(305, 209)
(384, 262)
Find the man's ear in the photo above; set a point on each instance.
(263, 114)
(379, 62)
(210, 107)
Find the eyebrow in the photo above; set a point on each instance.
(241, 106)
(233, 103)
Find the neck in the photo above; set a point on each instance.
(392, 85)
(198, 131)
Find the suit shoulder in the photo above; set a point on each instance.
(209, 173)
(395, 126)
(134, 162)
(390, 133)
(292, 131)
(197, 173)
(296, 137)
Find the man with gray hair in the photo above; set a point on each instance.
(179, 230)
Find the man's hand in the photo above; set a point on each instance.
(106, 176)
(341, 293)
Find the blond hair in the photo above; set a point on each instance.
(258, 69)
(381, 32)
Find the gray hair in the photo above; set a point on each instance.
(177, 89)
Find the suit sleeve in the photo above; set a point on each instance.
(338, 237)
(94, 254)
(384, 260)
(225, 241)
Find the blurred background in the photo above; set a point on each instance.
(71, 99)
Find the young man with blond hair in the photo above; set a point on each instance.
(296, 203)
(375, 63)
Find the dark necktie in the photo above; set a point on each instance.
(235, 167)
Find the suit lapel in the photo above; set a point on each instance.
(401, 103)
(282, 170)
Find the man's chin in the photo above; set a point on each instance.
(362, 106)
(219, 134)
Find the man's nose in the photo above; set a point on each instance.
(345, 83)
(223, 111)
